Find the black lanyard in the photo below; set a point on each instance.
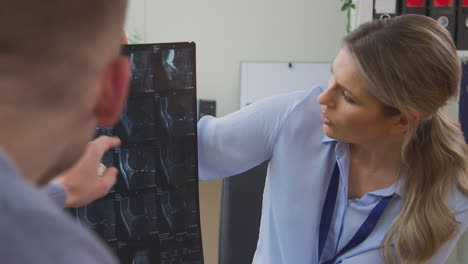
(327, 215)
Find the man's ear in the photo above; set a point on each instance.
(403, 123)
(115, 82)
(124, 38)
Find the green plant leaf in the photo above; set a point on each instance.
(347, 6)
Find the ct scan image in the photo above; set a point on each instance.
(138, 120)
(138, 168)
(152, 215)
(175, 70)
(100, 217)
(143, 77)
(176, 115)
(139, 214)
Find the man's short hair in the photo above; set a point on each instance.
(47, 46)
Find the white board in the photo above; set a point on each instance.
(263, 79)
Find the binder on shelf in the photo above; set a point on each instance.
(444, 11)
(418, 7)
(384, 9)
(462, 25)
(463, 104)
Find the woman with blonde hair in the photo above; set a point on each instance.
(425, 73)
(368, 170)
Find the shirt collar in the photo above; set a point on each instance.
(7, 165)
(389, 191)
(326, 139)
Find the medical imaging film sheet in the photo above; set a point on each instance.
(151, 216)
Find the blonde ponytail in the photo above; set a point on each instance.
(434, 162)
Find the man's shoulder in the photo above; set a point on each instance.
(32, 221)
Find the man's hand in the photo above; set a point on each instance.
(82, 182)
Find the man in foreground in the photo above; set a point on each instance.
(60, 76)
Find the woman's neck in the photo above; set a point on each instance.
(372, 167)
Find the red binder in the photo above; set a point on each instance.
(414, 7)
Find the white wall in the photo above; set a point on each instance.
(227, 32)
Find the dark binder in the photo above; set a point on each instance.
(418, 7)
(463, 104)
(462, 26)
(384, 9)
(444, 11)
